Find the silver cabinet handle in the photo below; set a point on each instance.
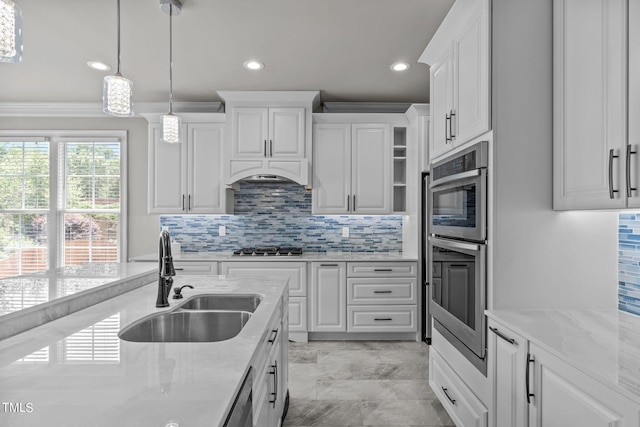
(530, 360)
(383, 318)
(503, 336)
(382, 292)
(274, 335)
(379, 270)
(452, 114)
(629, 187)
(179, 269)
(189, 203)
(270, 148)
(611, 157)
(348, 203)
(265, 148)
(328, 265)
(447, 128)
(183, 202)
(448, 397)
(354, 202)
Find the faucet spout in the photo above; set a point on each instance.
(166, 270)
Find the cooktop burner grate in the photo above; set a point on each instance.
(269, 251)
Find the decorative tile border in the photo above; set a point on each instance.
(629, 263)
(279, 214)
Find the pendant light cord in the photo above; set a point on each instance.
(118, 73)
(170, 58)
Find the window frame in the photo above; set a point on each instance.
(56, 139)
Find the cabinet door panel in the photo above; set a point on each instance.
(371, 168)
(331, 169)
(589, 103)
(250, 132)
(286, 132)
(471, 88)
(296, 272)
(205, 180)
(167, 170)
(329, 306)
(441, 104)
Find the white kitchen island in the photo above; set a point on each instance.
(75, 371)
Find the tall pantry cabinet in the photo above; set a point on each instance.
(596, 104)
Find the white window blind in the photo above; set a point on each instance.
(24, 206)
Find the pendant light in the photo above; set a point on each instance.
(10, 32)
(117, 90)
(170, 122)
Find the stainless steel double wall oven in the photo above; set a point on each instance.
(457, 250)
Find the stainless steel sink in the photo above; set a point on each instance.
(186, 326)
(222, 302)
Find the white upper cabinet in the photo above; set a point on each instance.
(352, 168)
(592, 159)
(460, 80)
(268, 132)
(186, 178)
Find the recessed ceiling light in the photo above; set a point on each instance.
(100, 66)
(400, 66)
(253, 65)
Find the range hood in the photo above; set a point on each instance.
(268, 170)
(265, 178)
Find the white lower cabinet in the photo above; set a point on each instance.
(328, 296)
(192, 268)
(534, 388)
(564, 396)
(381, 297)
(270, 381)
(507, 366)
(461, 404)
(295, 271)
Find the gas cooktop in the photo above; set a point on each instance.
(269, 251)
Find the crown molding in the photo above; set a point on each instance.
(92, 109)
(364, 107)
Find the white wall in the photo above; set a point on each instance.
(541, 258)
(143, 228)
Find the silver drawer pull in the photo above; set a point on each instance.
(382, 292)
(328, 265)
(382, 318)
(179, 269)
(448, 397)
(382, 269)
(503, 336)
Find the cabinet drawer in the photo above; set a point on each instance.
(298, 314)
(463, 407)
(381, 269)
(197, 267)
(386, 318)
(381, 291)
(296, 272)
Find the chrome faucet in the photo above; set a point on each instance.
(166, 270)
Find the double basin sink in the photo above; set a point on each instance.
(201, 318)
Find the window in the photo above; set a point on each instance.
(61, 200)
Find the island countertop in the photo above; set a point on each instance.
(75, 371)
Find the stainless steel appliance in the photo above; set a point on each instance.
(456, 248)
(269, 251)
(426, 265)
(457, 196)
(241, 414)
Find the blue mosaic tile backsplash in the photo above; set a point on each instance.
(629, 262)
(280, 214)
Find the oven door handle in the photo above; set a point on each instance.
(456, 177)
(453, 244)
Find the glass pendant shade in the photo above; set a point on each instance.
(10, 32)
(171, 128)
(116, 96)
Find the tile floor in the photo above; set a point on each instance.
(361, 383)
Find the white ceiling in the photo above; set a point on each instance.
(341, 47)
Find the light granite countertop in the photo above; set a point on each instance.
(306, 256)
(31, 300)
(604, 344)
(75, 371)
